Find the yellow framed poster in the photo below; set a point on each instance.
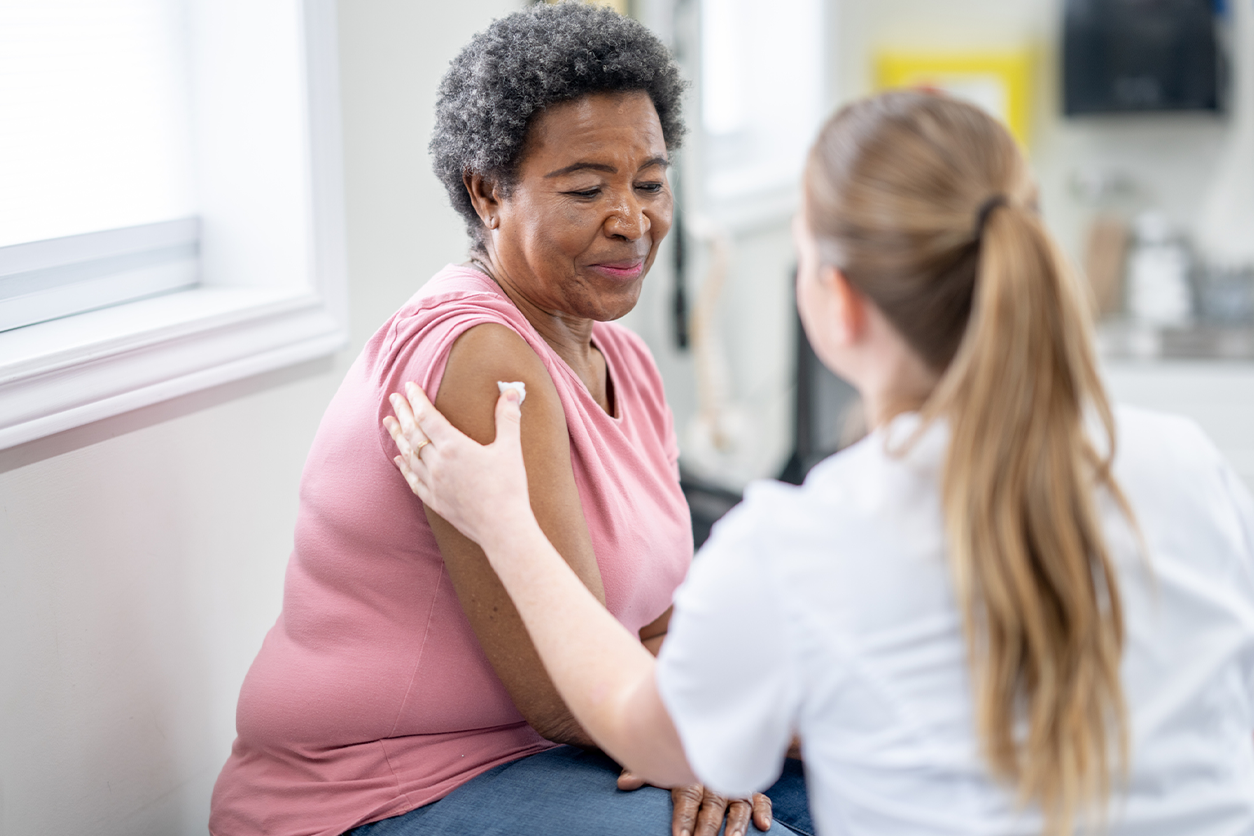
(998, 81)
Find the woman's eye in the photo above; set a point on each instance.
(585, 193)
(651, 188)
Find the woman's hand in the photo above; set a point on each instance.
(478, 488)
(700, 812)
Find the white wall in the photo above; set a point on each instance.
(401, 229)
(142, 557)
(142, 561)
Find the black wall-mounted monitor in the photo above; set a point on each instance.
(1136, 56)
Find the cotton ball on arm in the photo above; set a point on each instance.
(517, 385)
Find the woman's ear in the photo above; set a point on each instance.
(484, 198)
(848, 305)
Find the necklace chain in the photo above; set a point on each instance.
(483, 266)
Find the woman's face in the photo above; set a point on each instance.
(591, 205)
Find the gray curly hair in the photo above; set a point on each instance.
(527, 61)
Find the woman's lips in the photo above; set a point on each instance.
(621, 269)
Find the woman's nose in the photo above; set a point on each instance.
(628, 220)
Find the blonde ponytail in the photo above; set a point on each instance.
(1040, 596)
(925, 205)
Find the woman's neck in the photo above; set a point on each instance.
(889, 375)
(569, 336)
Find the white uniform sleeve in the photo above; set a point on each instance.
(726, 672)
(1244, 505)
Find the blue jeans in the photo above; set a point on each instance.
(570, 791)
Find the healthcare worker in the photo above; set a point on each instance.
(1011, 609)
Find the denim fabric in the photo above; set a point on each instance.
(570, 791)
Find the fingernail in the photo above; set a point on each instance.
(394, 398)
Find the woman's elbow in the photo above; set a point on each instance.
(556, 725)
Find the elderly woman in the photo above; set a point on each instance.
(398, 691)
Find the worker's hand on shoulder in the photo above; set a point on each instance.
(480, 489)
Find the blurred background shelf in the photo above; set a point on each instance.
(1121, 340)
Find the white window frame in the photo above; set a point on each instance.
(46, 280)
(271, 297)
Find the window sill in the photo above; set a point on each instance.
(274, 289)
(68, 372)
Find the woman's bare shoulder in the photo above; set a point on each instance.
(482, 356)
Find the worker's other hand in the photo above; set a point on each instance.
(480, 489)
(701, 812)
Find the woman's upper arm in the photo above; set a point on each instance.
(467, 396)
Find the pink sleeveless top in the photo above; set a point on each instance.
(370, 695)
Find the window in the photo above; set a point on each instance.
(95, 118)
(251, 230)
(762, 71)
(95, 155)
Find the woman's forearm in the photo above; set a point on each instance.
(603, 672)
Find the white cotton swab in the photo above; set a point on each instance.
(517, 385)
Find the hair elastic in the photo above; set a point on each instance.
(986, 209)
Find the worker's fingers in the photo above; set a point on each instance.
(628, 781)
(408, 443)
(472, 486)
(428, 419)
(509, 418)
(415, 482)
(403, 427)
